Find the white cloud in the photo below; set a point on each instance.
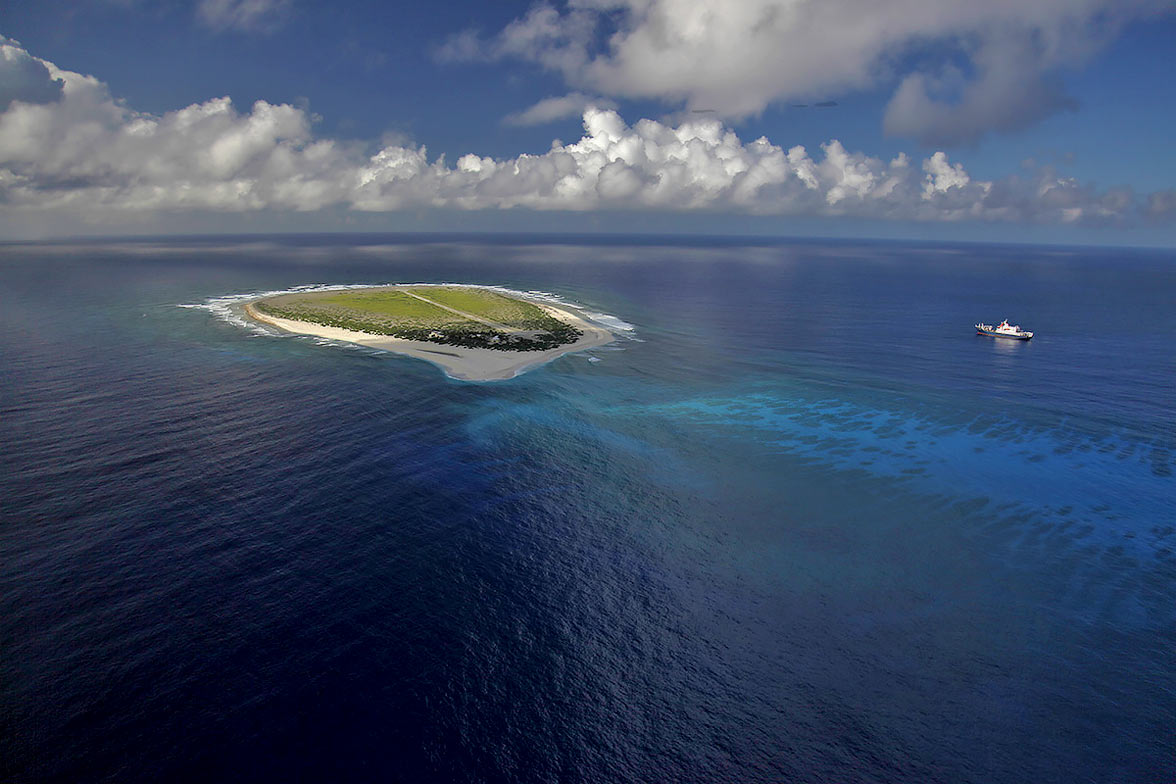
(739, 56)
(88, 151)
(242, 15)
(558, 108)
(88, 154)
(24, 77)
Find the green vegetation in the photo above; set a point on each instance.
(486, 304)
(487, 319)
(389, 303)
(507, 311)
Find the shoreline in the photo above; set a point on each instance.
(457, 362)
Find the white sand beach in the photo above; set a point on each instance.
(465, 364)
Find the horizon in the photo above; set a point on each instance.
(604, 237)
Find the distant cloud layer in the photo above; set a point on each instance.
(84, 153)
(963, 67)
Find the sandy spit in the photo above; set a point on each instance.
(464, 364)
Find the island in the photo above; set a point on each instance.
(473, 333)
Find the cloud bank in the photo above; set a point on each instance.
(963, 67)
(86, 153)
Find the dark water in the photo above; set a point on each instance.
(806, 527)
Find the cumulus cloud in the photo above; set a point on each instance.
(558, 108)
(23, 77)
(739, 57)
(242, 15)
(89, 154)
(88, 150)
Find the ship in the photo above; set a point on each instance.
(1003, 330)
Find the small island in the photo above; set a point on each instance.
(474, 333)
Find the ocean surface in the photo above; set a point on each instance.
(797, 524)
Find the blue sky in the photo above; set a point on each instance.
(1043, 121)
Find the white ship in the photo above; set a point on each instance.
(1003, 330)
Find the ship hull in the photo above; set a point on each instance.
(1002, 335)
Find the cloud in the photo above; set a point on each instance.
(89, 151)
(24, 77)
(740, 57)
(463, 47)
(1008, 93)
(1161, 206)
(88, 154)
(559, 108)
(242, 15)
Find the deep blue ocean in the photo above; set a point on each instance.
(798, 524)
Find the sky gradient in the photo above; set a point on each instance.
(1048, 121)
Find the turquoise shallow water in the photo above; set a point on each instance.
(798, 523)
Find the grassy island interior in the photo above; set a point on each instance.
(453, 315)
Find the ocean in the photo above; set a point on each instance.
(799, 523)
